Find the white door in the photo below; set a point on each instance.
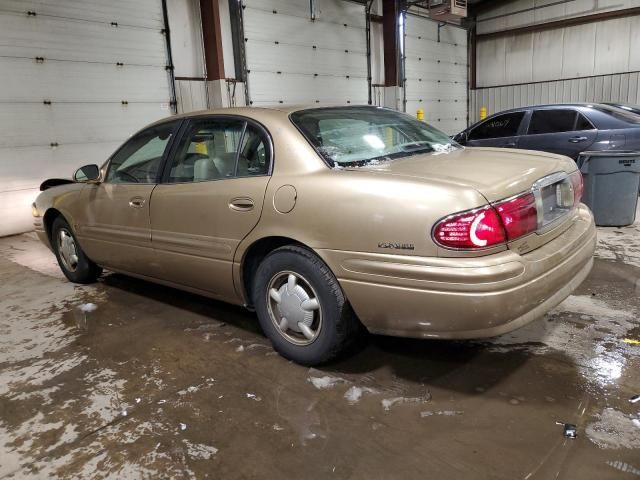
(292, 59)
(436, 73)
(78, 78)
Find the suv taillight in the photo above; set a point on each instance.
(490, 225)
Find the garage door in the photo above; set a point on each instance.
(292, 59)
(436, 73)
(77, 78)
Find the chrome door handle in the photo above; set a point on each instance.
(137, 202)
(241, 204)
(578, 139)
(509, 145)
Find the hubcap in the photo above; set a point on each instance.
(67, 249)
(294, 308)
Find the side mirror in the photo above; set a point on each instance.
(461, 138)
(88, 173)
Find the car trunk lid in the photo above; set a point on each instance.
(497, 174)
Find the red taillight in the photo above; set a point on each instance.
(519, 215)
(578, 186)
(488, 226)
(475, 229)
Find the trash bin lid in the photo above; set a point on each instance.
(611, 153)
(609, 161)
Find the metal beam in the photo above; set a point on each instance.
(212, 39)
(569, 22)
(390, 30)
(167, 40)
(472, 45)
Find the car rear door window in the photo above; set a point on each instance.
(505, 125)
(253, 157)
(552, 121)
(218, 149)
(207, 151)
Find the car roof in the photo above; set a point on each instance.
(551, 106)
(247, 111)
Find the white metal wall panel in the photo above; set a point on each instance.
(518, 52)
(25, 124)
(579, 46)
(520, 13)
(634, 39)
(436, 73)
(62, 39)
(185, 26)
(60, 82)
(624, 87)
(138, 13)
(600, 48)
(609, 57)
(77, 79)
(292, 59)
(191, 95)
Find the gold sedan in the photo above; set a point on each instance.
(325, 220)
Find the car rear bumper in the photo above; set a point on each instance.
(465, 297)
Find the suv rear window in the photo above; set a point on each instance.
(552, 121)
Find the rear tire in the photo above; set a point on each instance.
(75, 265)
(293, 282)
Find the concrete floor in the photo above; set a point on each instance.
(159, 383)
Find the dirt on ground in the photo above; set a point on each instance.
(126, 379)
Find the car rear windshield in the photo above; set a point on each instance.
(619, 113)
(356, 136)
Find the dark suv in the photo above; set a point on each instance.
(567, 129)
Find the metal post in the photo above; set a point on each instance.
(167, 39)
(368, 35)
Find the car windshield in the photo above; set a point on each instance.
(356, 136)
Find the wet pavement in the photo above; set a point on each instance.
(125, 379)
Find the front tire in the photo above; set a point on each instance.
(75, 265)
(301, 307)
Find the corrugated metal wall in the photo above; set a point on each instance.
(592, 62)
(623, 87)
(520, 13)
(599, 48)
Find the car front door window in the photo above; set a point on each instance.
(139, 160)
(500, 126)
(116, 230)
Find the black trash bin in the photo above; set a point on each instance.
(611, 186)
